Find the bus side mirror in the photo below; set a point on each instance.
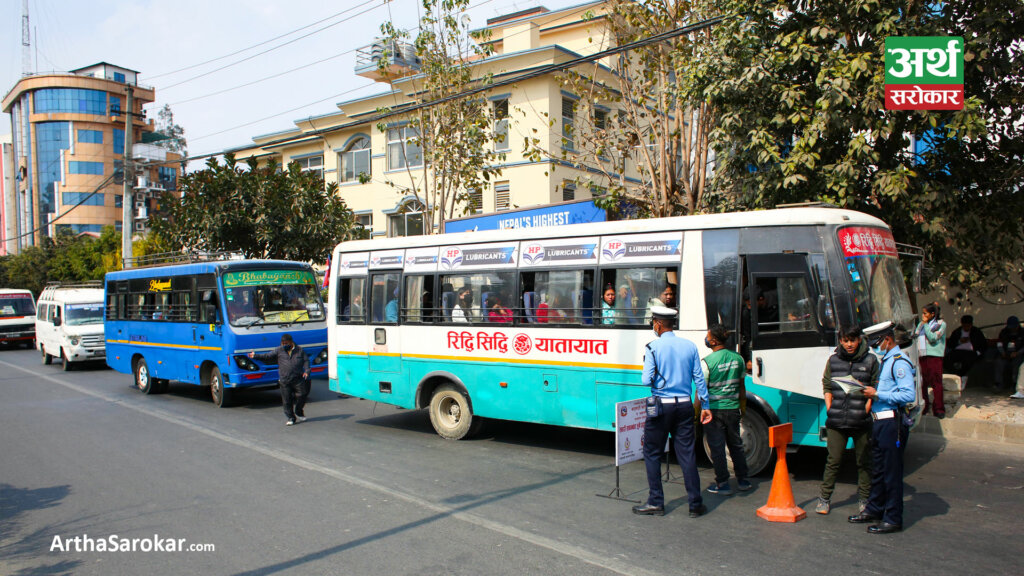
(56, 321)
(212, 314)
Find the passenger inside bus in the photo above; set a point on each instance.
(496, 312)
(609, 314)
(666, 298)
(462, 310)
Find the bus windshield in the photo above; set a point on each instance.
(258, 297)
(879, 292)
(83, 314)
(15, 305)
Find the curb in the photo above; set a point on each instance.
(985, 430)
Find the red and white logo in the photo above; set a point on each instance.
(522, 344)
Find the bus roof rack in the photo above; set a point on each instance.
(80, 284)
(910, 251)
(809, 204)
(185, 257)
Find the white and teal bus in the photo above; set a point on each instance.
(548, 325)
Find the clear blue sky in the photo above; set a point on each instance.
(156, 37)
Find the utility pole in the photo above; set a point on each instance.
(128, 198)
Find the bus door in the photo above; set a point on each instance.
(788, 343)
(208, 332)
(386, 345)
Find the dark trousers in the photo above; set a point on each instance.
(888, 440)
(675, 419)
(837, 440)
(931, 377)
(293, 398)
(722, 431)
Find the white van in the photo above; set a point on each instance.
(17, 307)
(69, 323)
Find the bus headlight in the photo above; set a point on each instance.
(246, 364)
(321, 357)
(74, 340)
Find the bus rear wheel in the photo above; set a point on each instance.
(754, 432)
(450, 413)
(143, 379)
(221, 396)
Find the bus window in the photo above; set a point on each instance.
(418, 300)
(558, 296)
(208, 312)
(638, 289)
(721, 277)
(350, 300)
(464, 296)
(384, 293)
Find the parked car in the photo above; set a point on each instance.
(69, 323)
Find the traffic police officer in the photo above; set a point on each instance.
(888, 433)
(671, 368)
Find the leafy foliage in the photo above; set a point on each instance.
(263, 211)
(455, 137)
(165, 125)
(800, 90)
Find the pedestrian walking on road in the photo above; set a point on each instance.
(889, 432)
(292, 373)
(847, 372)
(727, 397)
(672, 370)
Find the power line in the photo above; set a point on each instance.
(292, 41)
(106, 181)
(535, 73)
(257, 45)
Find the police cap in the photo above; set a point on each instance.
(877, 332)
(663, 313)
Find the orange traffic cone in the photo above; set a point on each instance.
(781, 507)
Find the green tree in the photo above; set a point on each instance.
(263, 211)
(175, 134)
(455, 137)
(800, 90)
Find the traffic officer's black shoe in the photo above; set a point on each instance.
(649, 510)
(863, 519)
(698, 511)
(884, 528)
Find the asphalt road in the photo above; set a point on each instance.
(367, 489)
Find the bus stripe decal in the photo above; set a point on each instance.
(185, 346)
(497, 360)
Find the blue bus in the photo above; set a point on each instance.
(197, 322)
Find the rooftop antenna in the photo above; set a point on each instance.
(26, 41)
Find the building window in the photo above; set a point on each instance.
(365, 221)
(404, 149)
(118, 77)
(115, 104)
(51, 138)
(86, 199)
(568, 191)
(311, 164)
(600, 119)
(70, 100)
(79, 228)
(90, 136)
(118, 200)
(168, 177)
(408, 221)
(118, 141)
(79, 167)
(355, 160)
(501, 142)
(501, 196)
(568, 118)
(476, 201)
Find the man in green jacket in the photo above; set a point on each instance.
(727, 399)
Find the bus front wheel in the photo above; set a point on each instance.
(47, 359)
(754, 432)
(221, 396)
(450, 413)
(143, 379)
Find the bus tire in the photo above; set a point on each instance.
(47, 359)
(65, 364)
(143, 378)
(450, 413)
(754, 431)
(221, 396)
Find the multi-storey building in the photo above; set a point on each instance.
(67, 157)
(375, 168)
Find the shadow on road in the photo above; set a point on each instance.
(19, 549)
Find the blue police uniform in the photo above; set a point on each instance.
(672, 368)
(889, 437)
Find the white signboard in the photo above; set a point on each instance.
(559, 252)
(354, 263)
(630, 418)
(630, 248)
(421, 259)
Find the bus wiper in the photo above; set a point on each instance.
(258, 320)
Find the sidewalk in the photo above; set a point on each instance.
(977, 413)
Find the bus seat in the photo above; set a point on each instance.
(584, 302)
(530, 306)
(448, 302)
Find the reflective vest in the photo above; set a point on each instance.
(726, 370)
